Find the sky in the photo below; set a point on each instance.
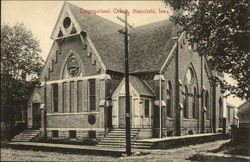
(40, 17)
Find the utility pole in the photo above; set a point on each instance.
(178, 108)
(126, 35)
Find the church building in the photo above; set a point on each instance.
(173, 90)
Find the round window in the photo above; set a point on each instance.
(66, 22)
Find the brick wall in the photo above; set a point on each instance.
(80, 133)
(86, 58)
(188, 59)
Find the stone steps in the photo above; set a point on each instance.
(20, 140)
(117, 139)
(26, 135)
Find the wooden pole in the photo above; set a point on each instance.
(128, 141)
(178, 109)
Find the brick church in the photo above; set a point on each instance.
(172, 88)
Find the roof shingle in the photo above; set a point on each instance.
(141, 87)
(149, 44)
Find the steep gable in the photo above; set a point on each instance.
(149, 44)
(66, 24)
(105, 37)
(137, 85)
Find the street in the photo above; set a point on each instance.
(177, 154)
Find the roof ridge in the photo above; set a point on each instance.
(94, 14)
(156, 22)
(134, 79)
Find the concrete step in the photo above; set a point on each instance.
(26, 135)
(18, 137)
(123, 131)
(141, 146)
(124, 143)
(111, 146)
(114, 139)
(20, 140)
(31, 130)
(117, 137)
(120, 134)
(110, 141)
(123, 146)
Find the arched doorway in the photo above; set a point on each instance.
(34, 112)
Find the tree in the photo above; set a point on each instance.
(20, 62)
(220, 30)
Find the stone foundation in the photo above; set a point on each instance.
(80, 133)
(145, 133)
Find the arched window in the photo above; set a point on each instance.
(185, 100)
(207, 105)
(194, 104)
(169, 101)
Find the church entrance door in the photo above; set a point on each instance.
(36, 115)
(122, 111)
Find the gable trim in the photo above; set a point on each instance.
(67, 9)
(171, 53)
(96, 52)
(58, 19)
(148, 86)
(51, 52)
(116, 92)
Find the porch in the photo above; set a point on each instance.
(141, 105)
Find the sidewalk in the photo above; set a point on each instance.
(194, 136)
(82, 149)
(158, 143)
(180, 141)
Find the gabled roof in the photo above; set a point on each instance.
(244, 112)
(141, 86)
(105, 37)
(149, 44)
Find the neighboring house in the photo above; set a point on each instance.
(242, 133)
(232, 118)
(244, 115)
(83, 75)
